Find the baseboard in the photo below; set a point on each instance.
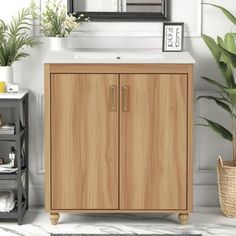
(36, 195)
(206, 196)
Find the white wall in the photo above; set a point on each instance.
(29, 73)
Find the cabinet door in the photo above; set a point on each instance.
(153, 141)
(84, 141)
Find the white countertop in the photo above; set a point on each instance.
(118, 57)
(18, 95)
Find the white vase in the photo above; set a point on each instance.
(6, 74)
(58, 44)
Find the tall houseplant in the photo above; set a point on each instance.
(224, 52)
(14, 40)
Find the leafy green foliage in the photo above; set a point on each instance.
(56, 22)
(34, 10)
(227, 13)
(223, 51)
(213, 82)
(222, 131)
(230, 55)
(221, 59)
(14, 38)
(222, 102)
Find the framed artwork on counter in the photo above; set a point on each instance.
(173, 36)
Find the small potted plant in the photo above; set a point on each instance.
(224, 53)
(57, 24)
(14, 41)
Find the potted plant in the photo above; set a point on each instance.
(57, 24)
(14, 40)
(224, 53)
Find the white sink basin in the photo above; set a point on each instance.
(74, 56)
(118, 56)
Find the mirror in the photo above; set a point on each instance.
(121, 10)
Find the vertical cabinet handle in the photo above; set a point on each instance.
(125, 94)
(113, 98)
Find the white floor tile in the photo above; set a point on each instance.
(207, 221)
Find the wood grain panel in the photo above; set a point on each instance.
(190, 137)
(47, 137)
(153, 142)
(120, 68)
(84, 142)
(133, 211)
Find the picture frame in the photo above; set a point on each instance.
(173, 37)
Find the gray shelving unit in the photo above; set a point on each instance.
(14, 109)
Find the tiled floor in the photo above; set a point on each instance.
(208, 221)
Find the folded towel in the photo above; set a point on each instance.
(7, 168)
(7, 202)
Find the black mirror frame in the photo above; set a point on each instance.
(125, 16)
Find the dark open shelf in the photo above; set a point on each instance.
(9, 215)
(18, 140)
(7, 176)
(14, 214)
(11, 176)
(12, 137)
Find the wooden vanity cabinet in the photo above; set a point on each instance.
(118, 138)
(84, 143)
(153, 141)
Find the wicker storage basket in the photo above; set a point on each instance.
(226, 173)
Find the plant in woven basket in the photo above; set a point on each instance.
(224, 53)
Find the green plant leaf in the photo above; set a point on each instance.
(219, 102)
(212, 45)
(230, 55)
(213, 82)
(231, 91)
(232, 95)
(224, 66)
(223, 57)
(229, 42)
(211, 98)
(226, 98)
(220, 41)
(227, 13)
(204, 125)
(219, 129)
(14, 38)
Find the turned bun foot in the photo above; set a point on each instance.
(54, 217)
(183, 218)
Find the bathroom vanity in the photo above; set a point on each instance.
(118, 133)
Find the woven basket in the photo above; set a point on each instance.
(227, 187)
